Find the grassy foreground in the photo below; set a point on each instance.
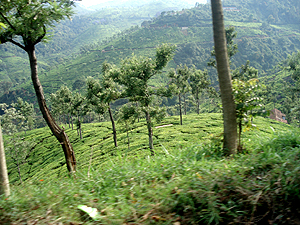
(187, 182)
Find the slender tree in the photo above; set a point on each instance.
(80, 108)
(26, 25)
(179, 80)
(127, 115)
(25, 109)
(13, 122)
(228, 104)
(102, 93)
(199, 82)
(61, 103)
(4, 182)
(232, 48)
(135, 73)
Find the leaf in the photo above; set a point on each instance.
(92, 212)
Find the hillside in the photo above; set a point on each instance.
(262, 40)
(85, 29)
(187, 182)
(47, 160)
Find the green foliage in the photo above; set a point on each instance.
(286, 92)
(232, 48)
(31, 19)
(179, 85)
(294, 65)
(17, 118)
(102, 94)
(245, 98)
(179, 78)
(61, 102)
(200, 83)
(134, 75)
(246, 89)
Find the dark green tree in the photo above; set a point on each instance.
(61, 103)
(79, 108)
(292, 66)
(102, 93)
(134, 75)
(13, 122)
(26, 24)
(127, 115)
(27, 111)
(199, 83)
(232, 48)
(180, 85)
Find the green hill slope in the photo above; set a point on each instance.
(86, 28)
(264, 42)
(46, 160)
(187, 182)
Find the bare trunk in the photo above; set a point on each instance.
(79, 126)
(180, 109)
(137, 105)
(69, 120)
(198, 102)
(113, 126)
(128, 139)
(150, 132)
(4, 182)
(240, 135)
(229, 112)
(59, 133)
(72, 122)
(184, 104)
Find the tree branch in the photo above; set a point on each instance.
(17, 44)
(40, 38)
(8, 21)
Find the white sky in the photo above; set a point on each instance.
(88, 3)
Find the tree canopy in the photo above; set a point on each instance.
(30, 19)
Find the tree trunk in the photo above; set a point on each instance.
(113, 126)
(79, 126)
(137, 106)
(150, 132)
(184, 104)
(229, 108)
(198, 102)
(180, 110)
(4, 182)
(72, 122)
(240, 135)
(69, 121)
(59, 133)
(128, 139)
